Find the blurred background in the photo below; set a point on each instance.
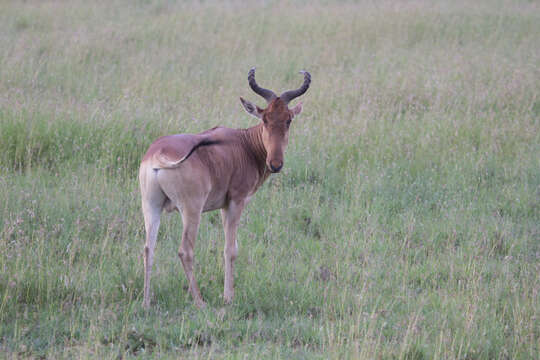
(405, 223)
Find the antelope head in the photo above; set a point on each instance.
(276, 118)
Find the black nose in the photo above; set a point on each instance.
(276, 166)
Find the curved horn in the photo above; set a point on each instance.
(287, 96)
(268, 95)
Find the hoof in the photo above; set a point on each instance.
(200, 304)
(228, 299)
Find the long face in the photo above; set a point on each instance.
(276, 121)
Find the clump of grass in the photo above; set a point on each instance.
(51, 141)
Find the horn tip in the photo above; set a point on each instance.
(251, 74)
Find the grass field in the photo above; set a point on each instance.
(405, 224)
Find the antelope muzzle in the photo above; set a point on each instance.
(275, 165)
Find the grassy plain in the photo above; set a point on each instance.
(405, 225)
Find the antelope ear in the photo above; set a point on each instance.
(297, 109)
(251, 109)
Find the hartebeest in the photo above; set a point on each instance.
(219, 168)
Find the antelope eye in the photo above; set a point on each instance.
(289, 122)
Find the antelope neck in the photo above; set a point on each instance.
(252, 140)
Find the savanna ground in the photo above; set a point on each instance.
(405, 224)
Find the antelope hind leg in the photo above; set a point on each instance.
(151, 221)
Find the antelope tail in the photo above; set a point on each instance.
(170, 158)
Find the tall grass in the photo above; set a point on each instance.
(405, 224)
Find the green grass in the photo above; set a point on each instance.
(405, 224)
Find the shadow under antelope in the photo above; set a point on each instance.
(220, 168)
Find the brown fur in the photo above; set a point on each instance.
(220, 168)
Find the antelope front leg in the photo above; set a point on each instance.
(231, 218)
(186, 253)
